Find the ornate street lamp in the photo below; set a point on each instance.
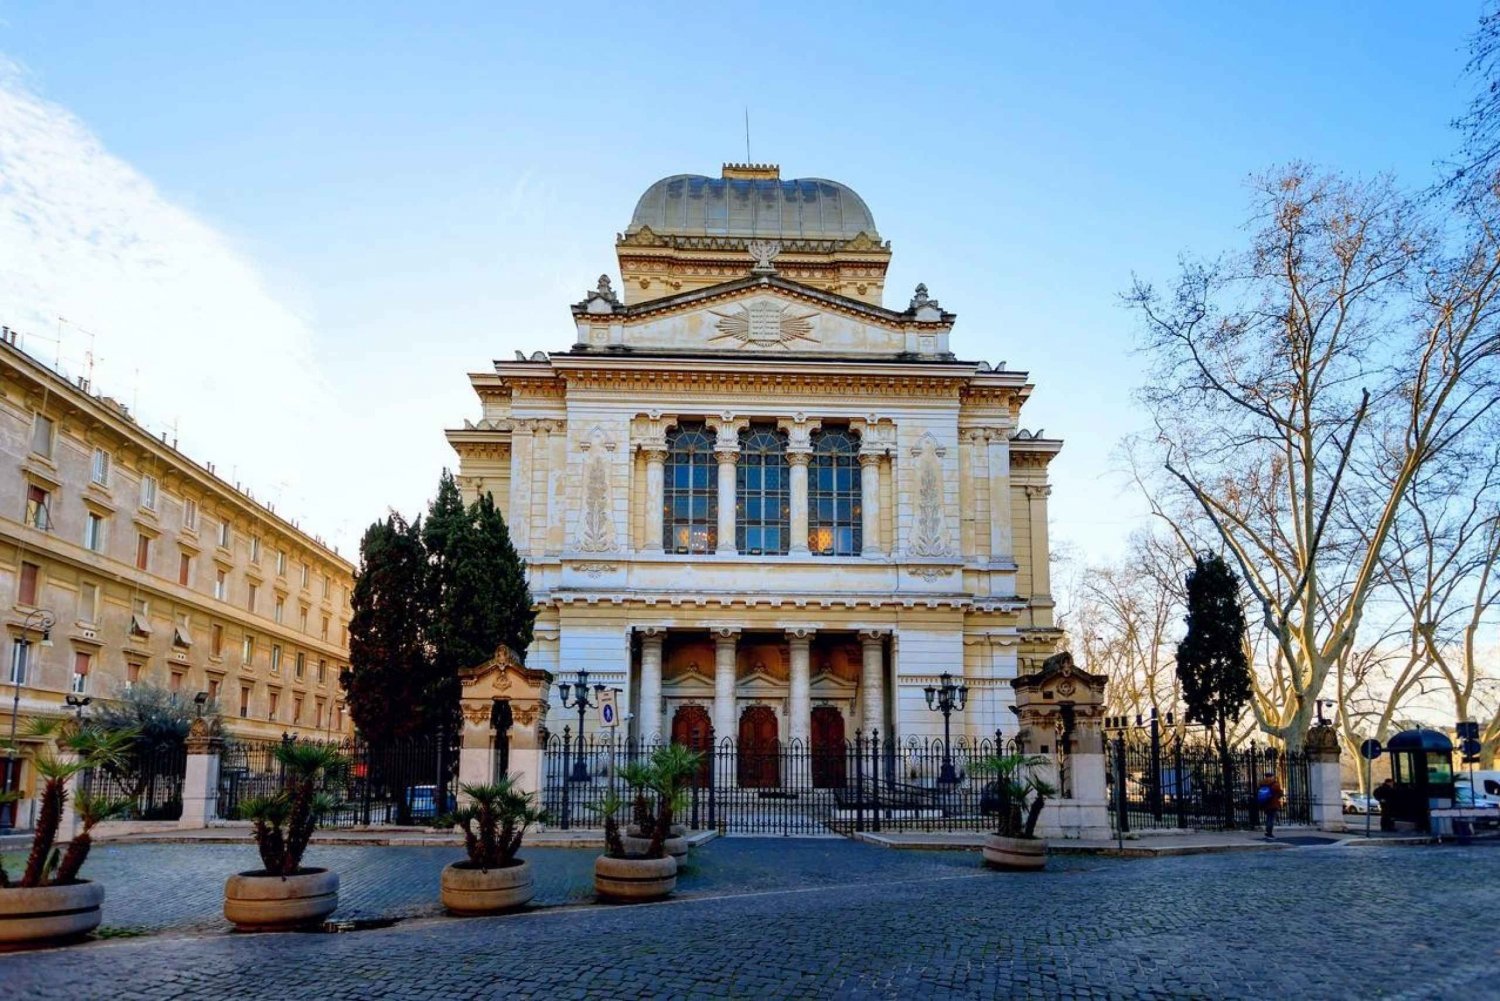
(576, 696)
(945, 698)
(38, 620)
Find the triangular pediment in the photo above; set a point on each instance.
(767, 315)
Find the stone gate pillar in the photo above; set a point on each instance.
(1324, 778)
(1061, 710)
(504, 703)
(200, 780)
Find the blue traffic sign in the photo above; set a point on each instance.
(1468, 729)
(1470, 747)
(1370, 749)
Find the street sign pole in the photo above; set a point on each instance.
(1369, 793)
(1369, 750)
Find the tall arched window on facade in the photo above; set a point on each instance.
(762, 498)
(834, 515)
(690, 496)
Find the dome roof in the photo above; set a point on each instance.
(1419, 740)
(752, 203)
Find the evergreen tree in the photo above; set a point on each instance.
(1211, 661)
(504, 573)
(390, 671)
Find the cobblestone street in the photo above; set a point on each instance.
(763, 918)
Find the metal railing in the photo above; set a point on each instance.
(150, 780)
(1188, 785)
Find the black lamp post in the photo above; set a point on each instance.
(576, 696)
(945, 698)
(78, 702)
(38, 620)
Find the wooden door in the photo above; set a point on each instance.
(828, 749)
(759, 758)
(692, 729)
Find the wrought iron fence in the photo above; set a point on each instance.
(787, 787)
(403, 782)
(150, 780)
(1171, 783)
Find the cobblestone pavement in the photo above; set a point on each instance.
(764, 918)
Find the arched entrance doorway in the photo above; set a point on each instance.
(692, 728)
(759, 757)
(828, 749)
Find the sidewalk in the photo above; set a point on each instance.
(237, 832)
(1151, 844)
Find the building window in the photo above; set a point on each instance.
(690, 501)
(280, 609)
(338, 717)
(213, 689)
(763, 504)
(318, 713)
(37, 507)
(216, 641)
(274, 704)
(247, 651)
(190, 514)
(182, 632)
(325, 586)
(142, 551)
(99, 469)
(93, 532)
(140, 618)
(281, 563)
(301, 664)
(252, 592)
(325, 629)
(30, 574)
(322, 672)
(175, 684)
(275, 658)
(18, 651)
(834, 516)
(304, 576)
(244, 701)
(41, 436)
(297, 710)
(132, 676)
(254, 549)
(81, 664)
(302, 618)
(148, 492)
(184, 569)
(221, 585)
(88, 602)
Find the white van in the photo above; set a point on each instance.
(1486, 788)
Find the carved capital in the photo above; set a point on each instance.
(799, 457)
(1038, 491)
(872, 637)
(726, 634)
(869, 460)
(800, 634)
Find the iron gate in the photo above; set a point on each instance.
(1171, 783)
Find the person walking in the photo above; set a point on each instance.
(1384, 794)
(1268, 797)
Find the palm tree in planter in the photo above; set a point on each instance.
(494, 821)
(49, 901)
(282, 894)
(1018, 794)
(658, 792)
(640, 867)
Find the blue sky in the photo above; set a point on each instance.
(359, 204)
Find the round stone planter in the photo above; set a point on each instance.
(468, 889)
(675, 846)
(678, 830)
(41, 914)
(634, 879)
(254, 901)
(1027, 854)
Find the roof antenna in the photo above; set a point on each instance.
(748, 158)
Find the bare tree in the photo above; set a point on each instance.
(1299, 389)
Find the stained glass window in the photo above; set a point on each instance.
(763, 504)
(834, 510)
(690, 496)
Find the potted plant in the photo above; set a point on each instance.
(639, 868)
(492, 879)
(1017, 795)
(654, 784)
(49, 902)
(282, 894)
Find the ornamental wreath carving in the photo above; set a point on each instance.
(930, 531)
(764, 324)
(596, 529)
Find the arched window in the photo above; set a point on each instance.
(690, 508)
(834, 515)
(763, 504)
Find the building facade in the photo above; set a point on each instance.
(123, 562)
(756, 500)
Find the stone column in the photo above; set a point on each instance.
(476, 746)
(1041, 572)
(200, 782)
(872, 682)
(727, 457)
(869, 502)
(726, 643)
(799, 727)
(1326, 801)
(1002, 543)
(656, 458)
(797, 463)
(649, 726)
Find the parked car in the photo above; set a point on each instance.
(1358, 802)
(419, 799)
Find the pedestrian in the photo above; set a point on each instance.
(1268, 797)
(1385, 795)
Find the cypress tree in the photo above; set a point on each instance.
(508, 596)
(1211, 661)
(390, 668)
